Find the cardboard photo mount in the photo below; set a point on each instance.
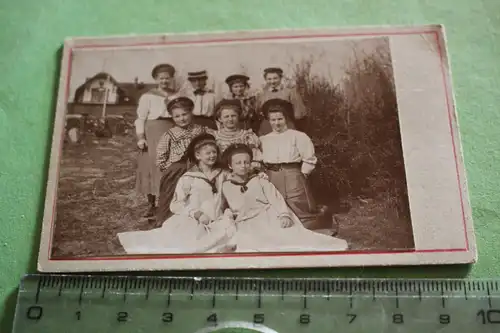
(435, 173)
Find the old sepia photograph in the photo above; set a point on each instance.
(227, 148)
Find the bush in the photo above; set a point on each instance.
(355, 129)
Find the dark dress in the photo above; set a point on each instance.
(173, 163)
(151, 110)
(250, 118)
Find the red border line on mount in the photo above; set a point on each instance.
(263, 38)
(166, 42)
(242, 255)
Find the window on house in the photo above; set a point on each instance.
(98, 95)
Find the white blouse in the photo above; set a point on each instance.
(260, 194)
(290, 146)
(151, 106)
(204, 105)
(194, 194)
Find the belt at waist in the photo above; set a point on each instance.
(202, 116)
(279, 166)
(163, 118)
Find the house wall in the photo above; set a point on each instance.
(96, 84)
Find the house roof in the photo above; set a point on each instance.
(134, 90)
(131, 90)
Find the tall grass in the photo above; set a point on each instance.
(355, 129)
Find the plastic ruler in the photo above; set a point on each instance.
(69, 303)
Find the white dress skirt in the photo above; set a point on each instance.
(258, 206)
(182, 233)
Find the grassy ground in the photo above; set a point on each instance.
(96, 197)
(96, 201)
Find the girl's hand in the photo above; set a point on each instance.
(204, 219)
(142, 144)
(286, 222)
(228, 213)
(263, 175)
(306, 175)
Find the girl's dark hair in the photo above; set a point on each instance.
(232, 104)
(179, 102)
(275, 70)
(163, 68)
(197, 143)
(235, 148)
(278, 105)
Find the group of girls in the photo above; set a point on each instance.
(226, 176)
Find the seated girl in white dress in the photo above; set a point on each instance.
(264, 222)
(197, 225)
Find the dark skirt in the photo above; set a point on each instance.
(205, 121)
(292, 184)
(148, 175)
(168, 183)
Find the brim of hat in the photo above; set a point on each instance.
(197, 77)
(238, 79)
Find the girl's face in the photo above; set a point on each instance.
(273, 79)
(241, 164)
(198, 83)
(229, 118)
(238, 89)
(207, 155)
(182, 117)
(164, 80)
(278, 122)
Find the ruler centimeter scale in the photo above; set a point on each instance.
(70, 303)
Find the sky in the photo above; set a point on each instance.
(330, 59)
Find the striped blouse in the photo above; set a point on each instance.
(225, 139)
(173, 144)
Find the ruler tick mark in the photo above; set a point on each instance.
(80, 296)
(213, 296)
(350, 296)
(397, 299)
(147, 291)
(305, 296)
(37, 296)
(125, 292)
(169, 294)
(443, 300)
(236, 290)
(282, 290)
(489, 295)
(259, 298)
(103, 290)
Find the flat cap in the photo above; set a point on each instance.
(163, 68)
(180, 102)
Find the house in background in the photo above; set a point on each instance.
(93, 91)
(102, 95)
